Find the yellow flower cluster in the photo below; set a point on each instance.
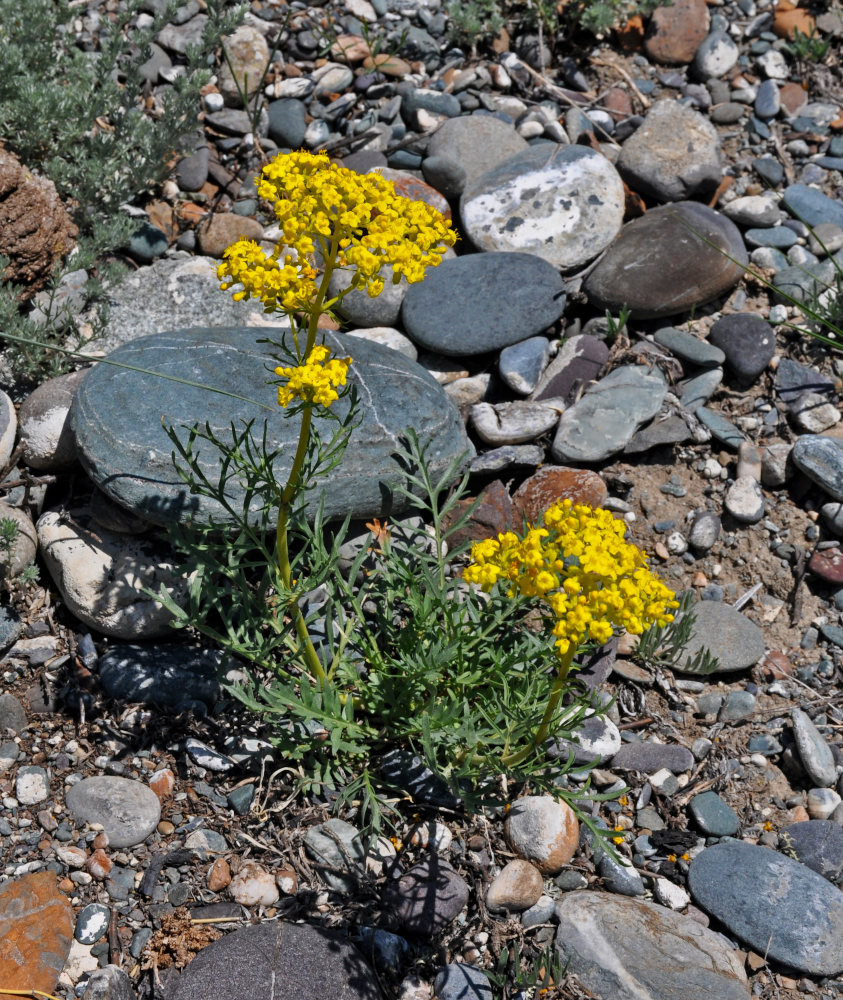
(315, 381)
(356, 220)
(578, 562)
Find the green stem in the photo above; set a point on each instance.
(513, 759)
(292, 487)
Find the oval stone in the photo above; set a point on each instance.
(735, 641)
(127, 809)
(562, 203)
(779, 907)
(668, 261)
(118, 421)
(482, 302)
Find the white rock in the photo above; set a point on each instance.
(745, 501)
(102, 576)
(389, 337)
(512, 423)
(821, 802)
(79, 962)
(813, 413)
(753, 210)
(773, 64)
(8, 429)
(670, 895)
(73, 857)
(49, 444)
(254, 886)
(468, 391)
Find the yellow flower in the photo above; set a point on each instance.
(315, 381)
(354, 220)
(579, 563)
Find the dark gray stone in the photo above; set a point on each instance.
(671, 430)
(695, 392)
(777, 906)
(287, 122)
(562, 203)
(738, 705)
(192, 171)
(821, 459)
(482, 302)
(436, 102)
(629, 949)
(520, 365)
(769, 170)
(408, 772)
(603, 420)
(731, 637)
(649, 757)
(177, 676)
(146, 243)
(689, 348)
(721, 429)
(127, 809)
(92, 923)
(110, 983)
(779, 237)
(305, 962)
(12, 714)
(337, 844)
(768, 100)
(811, 206)
(817, 843)
(459, 981)
(669, 261)
(427, 897)
(794, 379)
(714, 817)
(747, 340)
(579, 362)
(125, 450)
(463, 148)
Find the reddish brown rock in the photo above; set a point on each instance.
(794, 97)
(618, 103)
(517, 888)
(556, 482)
(408, 186)
(36, 931)
(676, 32)
(492, 515)
(163, 783)
(219, 875)
(789, 19)
(827, 565)
(543, 830)
(776, 665)
(223, 229)
(35, 229)
(99, 865)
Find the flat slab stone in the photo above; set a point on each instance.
(604, 419)
(123, 446)
(562, 203)
(36, 932)
(300, 961)
(776, 905)
(127, 809)
(736, 641)
(649, 757)
(821, 459)
(482, 302)
(661, 264)
(629, 949)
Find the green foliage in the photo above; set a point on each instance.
(600, 16)
(663, 647)
(80, 118)
(810, 47)
(514, 976)
(415, 660)
(474, 21)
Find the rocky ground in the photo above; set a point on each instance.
(151, 843)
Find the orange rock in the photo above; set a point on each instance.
(776, 664)
(287, 881)
(631, 35)
(387, 64)
(676, 32)
(350, 48)
(556, 482)
(787, 20)
(36, 931)
(99, 865)
(100, 841)
(163, 783)
(219, 875)
(543, 830)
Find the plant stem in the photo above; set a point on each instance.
(513, 759)
(291, 489)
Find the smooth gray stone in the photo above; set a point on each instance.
(817, 843)
(192, 170)
(811, 206)
(714, 816)
(520, 365)
(125, 450)
(768, 99)
(603, 420)
(12, 714)
(777, 906)
(92, 923)
(510, 455)
(482, 302)
(673, 156)
(649, 757)
(177, 676)
(427, 897)
(721, 428)
(306, 962)
(814, 752)
(738, 705)
(794, 379)
(337, 844)
(459, 981)
(287, 122)
(689, 348)
(695, 392)
(620, 878)
(359, 308)
(821, 459)
(629, 949)
(562, 203)
(800, 283)
(463, 148)
(747, 340)
(705, 530)
(731, 637)
(110, 983)
(407, 771)
(672, 430)
(672, 259)
(127, 809)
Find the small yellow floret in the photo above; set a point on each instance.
(315, 381)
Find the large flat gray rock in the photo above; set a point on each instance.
(122, 444)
